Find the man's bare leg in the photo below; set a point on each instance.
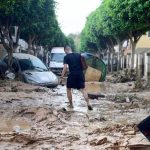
(83, 91)
(69, 95)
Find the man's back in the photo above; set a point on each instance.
(74, 62)
(76, 79)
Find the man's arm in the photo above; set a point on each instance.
(64, 70)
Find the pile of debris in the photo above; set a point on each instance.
(123, 98)
(18, 86)
(126, 75)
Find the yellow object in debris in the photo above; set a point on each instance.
(92, 74)
(95, 87)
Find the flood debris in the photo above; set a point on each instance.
(123, 76)
(124, 98)
(139, 147)
(95, 96)
(100, 141)
(15, 86)
(9, 75)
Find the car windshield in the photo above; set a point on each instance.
(58, 57)
(32, 64)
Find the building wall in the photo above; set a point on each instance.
(144, 42)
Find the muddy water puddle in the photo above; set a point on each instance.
(15, 124)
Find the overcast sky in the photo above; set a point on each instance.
(72, 14)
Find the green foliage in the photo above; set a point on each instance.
(43, 27)
(76, 41)
(115, 21)
(70, 42)
(12, 12)
(36, 20)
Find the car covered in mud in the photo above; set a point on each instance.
(31, 69)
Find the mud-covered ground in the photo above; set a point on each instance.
(34, 118)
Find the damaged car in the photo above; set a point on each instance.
(32, 70)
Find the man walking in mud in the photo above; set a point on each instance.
(76, 79)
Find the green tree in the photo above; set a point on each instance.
(117, 21)
(76, 39)
(36, 21)
(11, 14)
(41, 21)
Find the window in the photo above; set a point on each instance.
(57, 57)
(32, 64)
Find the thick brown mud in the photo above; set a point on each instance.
(34, 117)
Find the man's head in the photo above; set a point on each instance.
(67, 49)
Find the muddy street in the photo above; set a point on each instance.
(38, 118)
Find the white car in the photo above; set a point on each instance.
(32, 70)
(56, 60)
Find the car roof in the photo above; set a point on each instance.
(23, 56)
(87, 54)
(58, 50)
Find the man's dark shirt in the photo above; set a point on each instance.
(74, 62)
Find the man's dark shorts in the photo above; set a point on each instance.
(76, 81)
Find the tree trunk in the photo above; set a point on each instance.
(108, 61)
(112, 58)
(110, 47)
(123, 62)
(30, 42)
(133, 40)
(10, 53)
(10, 56)
(10, 45)
(17, 36)
(132, 54)
(119, 52)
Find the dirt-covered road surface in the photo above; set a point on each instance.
(37, 118)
